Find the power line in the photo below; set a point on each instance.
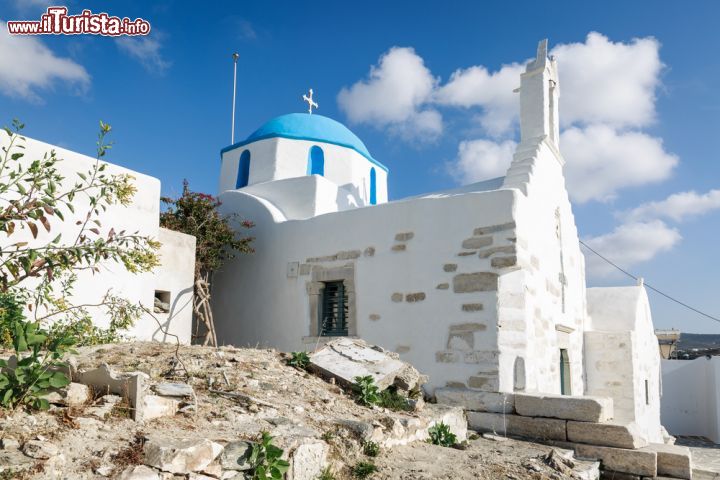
(650, 286)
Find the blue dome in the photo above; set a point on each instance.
(304, 126)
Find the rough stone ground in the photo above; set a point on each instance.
(289, 401)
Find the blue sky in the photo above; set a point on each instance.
(639, 103)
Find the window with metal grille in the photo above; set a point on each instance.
(334, 311)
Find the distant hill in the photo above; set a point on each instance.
(701, 341)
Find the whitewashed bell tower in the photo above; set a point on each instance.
(539, 93)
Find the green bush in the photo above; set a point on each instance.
(299, 360)
(440, 434)
(363, 469)
(39, 366)
(265, 460)
(371, 449)
(389, 398)
(366, 391)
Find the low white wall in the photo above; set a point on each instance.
(141, 216)
(175, 275)
(691, 400)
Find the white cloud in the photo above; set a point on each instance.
(482, 159)
(628, 245)
(146, 50)
(27, 65)
(677, 207)
(476, 86)
(608, 82)
(601, 161)
(393, 94)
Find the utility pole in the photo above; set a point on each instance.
(235, 57)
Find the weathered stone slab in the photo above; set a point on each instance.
(308, 460)
(475, 282)
(509, 249)
(347, 358)
(404, 236)
(606, 434)
(672, 460)
(182, 456)
(530, 427)
(169, 389)
(236, 456)
(582, 409)
(476, 400)
(636, 462)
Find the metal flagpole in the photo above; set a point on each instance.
(235, 57)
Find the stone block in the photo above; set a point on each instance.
(181, 456)
(349, 255)
(397, 297)
(619, 435)
(583, 409)
(468, 327)
(374, 317)
(504, 424)
(400, 247)
(236, 456)
(636, 462)
(476, 400)
(475, 282)
(461, 341)
(369, 251)
(138, 472)
(415, 297)
(472, 307)
(155, 406)
(450, 267)
(443, 286)
(503, 262)
(508, 249)
(672, 460)
(127, 385)
(493, 228)
(404, 236)
(308, 460)
(477, 242)
(487, 383)
(170, 389)
(447, 357)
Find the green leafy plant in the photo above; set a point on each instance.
(363, 469)
(299, 360)
(326, 474)
(328, 436)
(366, 391)
(265, 459)
(389, 398)
(216, 242)
(440, 434)
(371, 449)
(38, 369)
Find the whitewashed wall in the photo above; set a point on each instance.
(281, 158)
(256, 302)
(622, 353)
(141, 216)
(691, 397)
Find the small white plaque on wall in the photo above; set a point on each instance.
(292, 269)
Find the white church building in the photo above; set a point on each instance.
(480, 287)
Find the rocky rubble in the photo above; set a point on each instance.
(148, 413)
